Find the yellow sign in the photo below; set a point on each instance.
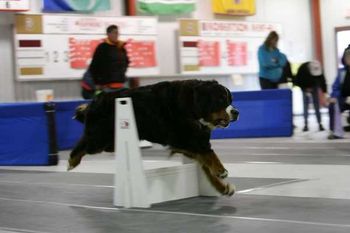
(189, 27)
(29, 24)
(234, 7)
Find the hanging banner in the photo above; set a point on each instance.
(234, 7)
(14, 5)
(166, 7)
(76, 6)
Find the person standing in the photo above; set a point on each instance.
(340, 97)
(110, 62)
(271, 62)
(312, 82)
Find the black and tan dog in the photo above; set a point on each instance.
(179, 114)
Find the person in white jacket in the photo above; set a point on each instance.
(340, 97)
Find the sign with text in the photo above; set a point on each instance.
(57, 24)
(221, 47)
(237, 53)
(14, 5)
(50, 47)
(81, 52)
(232, 28)
(141, 53)
(209, 53)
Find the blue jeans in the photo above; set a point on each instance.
(316, 102)
(335, 116)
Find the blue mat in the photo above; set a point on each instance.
(24, 131)
(23, 134)
(266, 113)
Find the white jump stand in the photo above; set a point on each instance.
(137, 187)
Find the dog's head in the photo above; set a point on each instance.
(212, 104)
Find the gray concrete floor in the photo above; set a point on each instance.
(285, 185)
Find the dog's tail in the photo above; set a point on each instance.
(80, 113)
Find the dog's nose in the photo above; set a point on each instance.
(234, 114)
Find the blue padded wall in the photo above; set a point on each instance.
(23, 134)
(266, 113)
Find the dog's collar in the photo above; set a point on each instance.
(207, 124)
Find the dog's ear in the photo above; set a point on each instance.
(187, 99)
(210, 96)
(200, 99)
(195, 98)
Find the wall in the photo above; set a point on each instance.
(7, 89)
(332, 15)
(293, 15)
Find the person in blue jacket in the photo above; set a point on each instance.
(271, 62)
(340, 97)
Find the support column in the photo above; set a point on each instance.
(130, 10)
(316, 29)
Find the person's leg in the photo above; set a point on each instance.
(306, 110)
(265, 84)
(337, 128)
(331, 116)
(316, 102)
(274, 85)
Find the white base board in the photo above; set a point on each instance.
(137, 187)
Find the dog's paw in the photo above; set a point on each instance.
(230, 189)
(72, 163)
(70, 167)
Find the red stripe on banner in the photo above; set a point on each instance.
(189, 44)
(29, 43)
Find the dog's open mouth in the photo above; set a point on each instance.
(222, 123)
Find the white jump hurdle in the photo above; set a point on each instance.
(137, 187)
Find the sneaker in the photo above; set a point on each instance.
(332, 137)
(321, 127)
(305, 128)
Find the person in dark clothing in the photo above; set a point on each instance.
(287, 75)
(312, 82)
(88, 86)
(340, 97)
(110, 62)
